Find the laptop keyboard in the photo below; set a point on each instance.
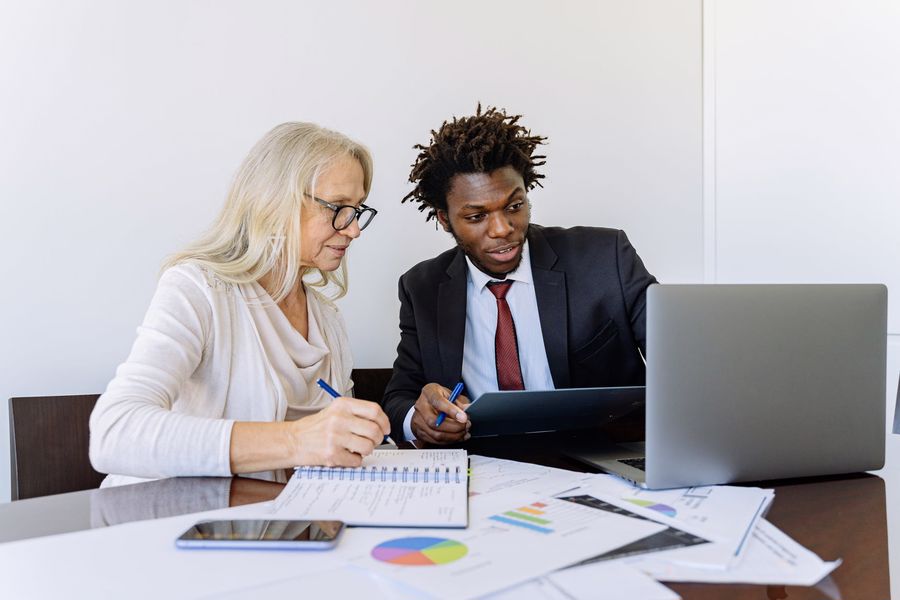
(637, 463)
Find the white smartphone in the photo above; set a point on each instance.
(262, 534)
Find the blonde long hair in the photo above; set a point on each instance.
(257, 232)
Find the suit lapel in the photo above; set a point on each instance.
(451, 317)
(550, 290)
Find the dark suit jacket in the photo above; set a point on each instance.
(590, 286)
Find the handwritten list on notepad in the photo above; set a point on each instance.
(412, 488)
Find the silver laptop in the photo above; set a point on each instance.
(757, 382)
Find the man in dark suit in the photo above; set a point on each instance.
(515, 305)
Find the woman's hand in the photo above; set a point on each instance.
(339, 435)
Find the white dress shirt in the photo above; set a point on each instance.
(479, 371)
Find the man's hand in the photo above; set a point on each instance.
(434, 400)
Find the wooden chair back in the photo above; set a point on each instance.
(369, 384)
(48, 439)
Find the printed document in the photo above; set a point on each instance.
(513, 536)
(596, 581)
(490, 475)
(725, 515)
(772, 558)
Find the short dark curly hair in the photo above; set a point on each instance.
(482, 143)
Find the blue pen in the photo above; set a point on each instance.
(333, 393)
(453, 396)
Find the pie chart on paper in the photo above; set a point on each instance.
(419, 551)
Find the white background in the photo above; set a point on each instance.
(733, 141)
(125, 121)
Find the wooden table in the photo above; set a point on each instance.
(840, 517)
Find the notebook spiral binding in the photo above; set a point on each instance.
(392, 474)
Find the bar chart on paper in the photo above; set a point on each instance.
(544, 517)
(532, 516)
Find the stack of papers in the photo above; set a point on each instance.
(771, 558)
(724, 515)
(715, 534)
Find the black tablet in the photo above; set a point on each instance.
(531, 411)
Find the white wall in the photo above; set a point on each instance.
(807, 121)
(123, 122)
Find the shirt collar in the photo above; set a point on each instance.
(522, 274)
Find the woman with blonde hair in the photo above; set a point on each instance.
(222, 376)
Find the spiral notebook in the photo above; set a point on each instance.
(392, 488)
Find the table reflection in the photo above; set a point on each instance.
(181, 495)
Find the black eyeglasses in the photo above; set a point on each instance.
(345, 213)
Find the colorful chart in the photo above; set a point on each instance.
(419, 551)
(660, 508)
(528, 517)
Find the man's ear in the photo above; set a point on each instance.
(443, 219)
